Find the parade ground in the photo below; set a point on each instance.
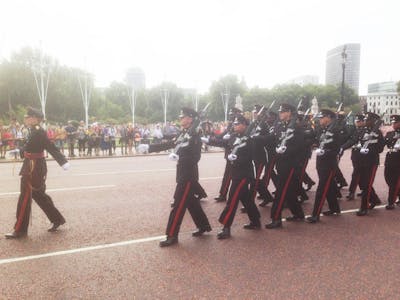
(117, 210)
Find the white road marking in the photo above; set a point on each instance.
(78, 250)
(105, 246)
(124, 172)
(68, 189)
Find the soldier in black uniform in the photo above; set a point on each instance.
(188, 191)
(329, 141)
(259, 138)
(371, 144)
(270, 145)
(33, 176)
(392, 161)
(222, 140)
(242, 176)
(344, 135)
(355, 157)
(290, 145)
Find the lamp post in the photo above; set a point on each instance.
(344, 56)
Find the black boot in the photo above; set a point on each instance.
(350, 196)
(15, 235)
(200, 231)
(56, 225)
(169, 241)
(312, 219)
(225, 233)
(274, 224)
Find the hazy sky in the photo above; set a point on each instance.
(194, 42)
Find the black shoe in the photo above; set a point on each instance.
(243, 210)
(362, 212)
(172, 204)
(371, 206)
(264, 203)
(350, 196)
(225, 233)
(312, 219)
(16, 235)
(220, 199)
(200, 231)
(169, 241)
(252, 226)
(330, 213)
(56, 225)
(274, 224)
(359, 194)
(389, 206)
(294, 219)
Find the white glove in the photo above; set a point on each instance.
(226, 137)
(205, 140)
(281, 149)
(173, 157)
(320, 152)
(143, 148)
(396, 146)
(364, 150)
(232, 157)
(66, 166)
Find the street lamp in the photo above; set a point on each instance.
(344, 56)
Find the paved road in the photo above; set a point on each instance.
(117, 209)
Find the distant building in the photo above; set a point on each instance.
(383, 103)
(304, 80)
(136, 78)
(334, 61)
(382, 87)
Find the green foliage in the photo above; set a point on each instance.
(111, 104)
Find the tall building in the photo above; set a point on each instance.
(382, 87)
(136, 78)
(383, 99)
(334, 62)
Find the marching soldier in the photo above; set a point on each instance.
(242, 177)
(223, 141)
(33, 176)
(188, 191)
(371, 143)
(392, 161)
(329, 141)
(355, 157)
(289, 151)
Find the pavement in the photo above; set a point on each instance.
(117, 210)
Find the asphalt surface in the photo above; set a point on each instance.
(117, 210)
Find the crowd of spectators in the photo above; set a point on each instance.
(97, 139)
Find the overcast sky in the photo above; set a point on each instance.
(192, 43)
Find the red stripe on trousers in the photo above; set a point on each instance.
(235, 198)
(180, 208)
(371, 181)
(283, 194)
(328, 182)
(27, 197)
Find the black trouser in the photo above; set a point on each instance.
(367, 177)
(184, 198)
(339, 177)
(71, 145)
(239, 191)
(286, 192)
(25, 201)
(259, 184)
(82, 146)
(392, 178)
(355, 177)
(226, 180)
(270, 174)
(327, 189)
